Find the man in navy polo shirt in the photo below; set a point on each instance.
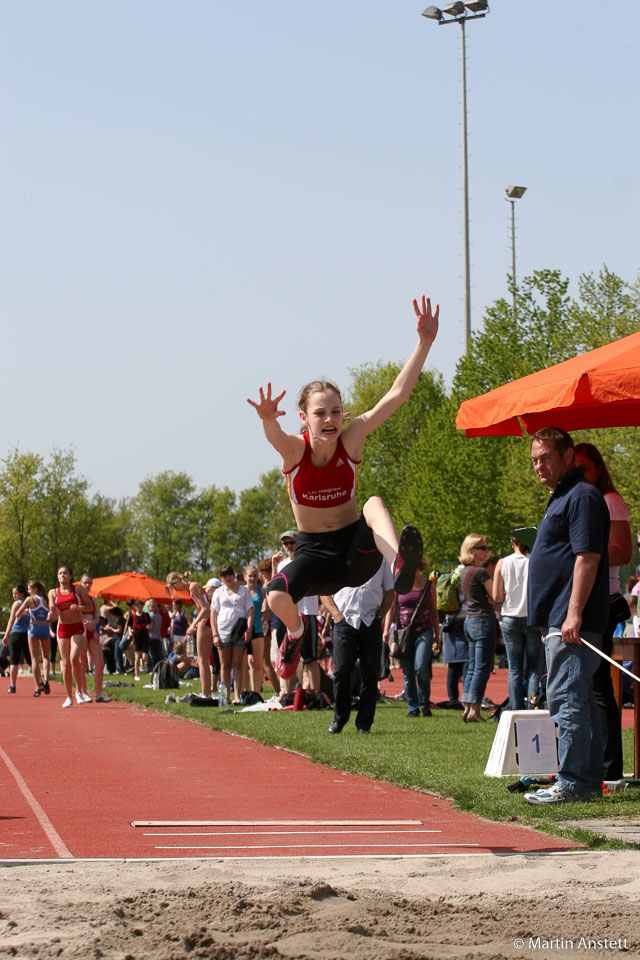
(568, 595)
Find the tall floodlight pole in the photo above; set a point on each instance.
(459, 12)
(466, 256)
(512, 194)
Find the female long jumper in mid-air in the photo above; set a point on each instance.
(337, 547)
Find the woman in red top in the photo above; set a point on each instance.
(337, 547)
(66, 605)
(201, 626)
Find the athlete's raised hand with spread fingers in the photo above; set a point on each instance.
(289, 446)
(427, 325)
(267, 406)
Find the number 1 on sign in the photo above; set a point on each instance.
(536, 740)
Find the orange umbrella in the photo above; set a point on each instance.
(600, 388)
(137, 586)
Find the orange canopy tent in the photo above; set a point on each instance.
(600, 388)
(124, 586)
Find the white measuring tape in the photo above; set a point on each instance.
(556, 633)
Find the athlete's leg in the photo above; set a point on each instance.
(204, 642)
(95, 649)
(226, 654)
(237, 659)
(383, 528)
(64, 648)
(285, 609)
(403, 553)
(256, 663)
(45, 644)
(77, 656)
(34, 650)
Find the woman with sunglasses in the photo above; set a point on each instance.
(620, 550)
(480, 622)
(336, 546)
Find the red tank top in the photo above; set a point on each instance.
(63, 602)
(327, 486)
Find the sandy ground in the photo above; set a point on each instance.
(360, 909)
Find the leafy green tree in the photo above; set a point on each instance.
(383, 469)
(65, 533)
(213, 538)
(163, 524)
(21, 518)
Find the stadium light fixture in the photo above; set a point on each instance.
(512, 194)
(459, 13)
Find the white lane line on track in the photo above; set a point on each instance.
(276, 833)
(276, 823)
(309, 846)
(53, 837)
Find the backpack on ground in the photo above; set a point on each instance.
(168, 678)
(447, 591)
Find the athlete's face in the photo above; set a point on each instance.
(64, 577)
(87, 583)
(323, 415)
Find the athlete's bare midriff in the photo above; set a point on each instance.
(325, 519)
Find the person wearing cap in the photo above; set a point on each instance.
(212, 584)
(523, 643)
(338, 546)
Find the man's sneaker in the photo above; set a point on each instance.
(86, 698)
(102, 698)
(12, 688)
(79, 698)
(407, 560)
(37, 692)
(46, 689)
(555, 794)
(67, 703)
(334, 727)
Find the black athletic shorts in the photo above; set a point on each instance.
(19, 648)
(323, 563)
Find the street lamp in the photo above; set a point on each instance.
(512, 194)
(460, 13)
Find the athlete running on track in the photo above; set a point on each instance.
(200, 626)
(66, 605)
(336, 547)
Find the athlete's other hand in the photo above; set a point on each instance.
(427, 325)
(267, 407)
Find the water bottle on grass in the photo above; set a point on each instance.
(222, 694)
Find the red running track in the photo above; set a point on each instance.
(74, 781)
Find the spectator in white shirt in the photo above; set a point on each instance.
(357, 634)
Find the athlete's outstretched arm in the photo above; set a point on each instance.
(427, 327)
(289, 446)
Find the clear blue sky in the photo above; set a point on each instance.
(199, 196)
